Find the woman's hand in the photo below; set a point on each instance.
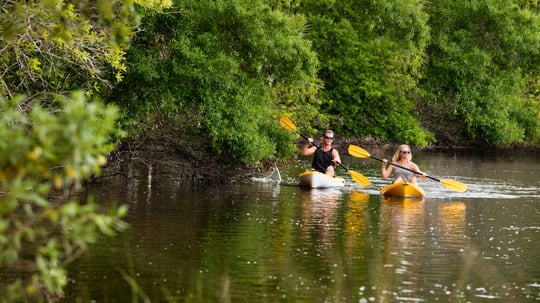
(384, 171)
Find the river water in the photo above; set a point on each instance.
(271, 241)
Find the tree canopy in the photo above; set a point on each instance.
(450, 73)
(370, 54)
(482, 79)
(230, 66)
(57, 46)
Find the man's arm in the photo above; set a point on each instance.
(309, 149)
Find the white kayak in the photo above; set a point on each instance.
(315, 179)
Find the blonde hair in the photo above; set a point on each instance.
(397, 155)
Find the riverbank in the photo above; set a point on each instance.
(189, 159)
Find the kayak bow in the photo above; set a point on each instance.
(315, 179)
(403, 189)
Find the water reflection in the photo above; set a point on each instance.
(355, 220)
(319, 216)
(451, 224)
(401, 220)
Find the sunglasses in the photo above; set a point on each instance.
(329, 138)
(405, 151)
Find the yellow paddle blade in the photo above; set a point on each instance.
(287, 123)
(454, 185)
(357, 151)
(359, 178)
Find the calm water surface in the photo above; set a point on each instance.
(274, 242)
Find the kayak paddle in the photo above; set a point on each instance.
(356, 176)
(359, 152)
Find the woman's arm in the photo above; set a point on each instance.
(386, 170)
(415, 168)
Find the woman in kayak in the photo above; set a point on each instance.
(324, 157)
(402, 157)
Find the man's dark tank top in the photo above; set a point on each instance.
(321, 161)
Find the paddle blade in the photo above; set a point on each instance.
(359, 178)
(454, 185)
(287, 123)
(357, 151)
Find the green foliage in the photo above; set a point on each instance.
(230, 66)
(483, 59)
(370, 53)
(50, 142)
(58, 46)
(42, 154)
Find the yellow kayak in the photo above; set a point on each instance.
(315, 179)
(403, 189)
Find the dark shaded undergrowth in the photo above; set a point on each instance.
(188, 157)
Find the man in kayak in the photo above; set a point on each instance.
(324, 157)
(402, 157)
